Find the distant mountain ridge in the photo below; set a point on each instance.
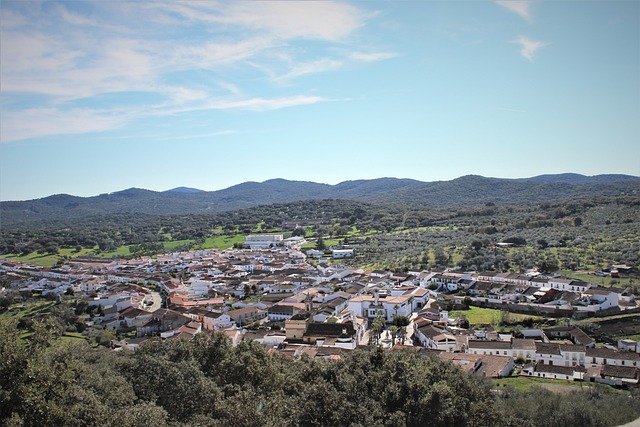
(463, 191)
(184, 190)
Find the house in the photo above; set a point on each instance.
(484, 365)
(606, 356)
(542, 370)
(572, 285)
(315, 254)
(430, 336)
(479, 288)
(549, 354)
(330, 308)
(343, 253)
(215, 321)
(133, 317)
(163, 320)
(523, 347)
(617, 375)
(573, 333)
(283, 311)
(573, 354)
(600, 299)
(498, 348)
(629, 345)
(330, 334)
(247, 315)
(372, 306)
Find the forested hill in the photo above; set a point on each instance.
(464, 191)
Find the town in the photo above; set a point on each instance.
(312, 303)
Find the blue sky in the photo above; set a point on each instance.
(101, 96)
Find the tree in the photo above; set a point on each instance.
(320, 245)
(376, 330)
(401, 322)
(299, 231)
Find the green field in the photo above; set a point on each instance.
(222, 242)
(525, 384)
(488, 316)
(121, 251)
(73, 336)
(48, 260)
(18, 311)
(622, 282)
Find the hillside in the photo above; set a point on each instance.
(464, 191)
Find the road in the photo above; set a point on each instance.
(156, 298)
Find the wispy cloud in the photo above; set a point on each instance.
(324, 20)
(262, 104)
(529, 47)
(372, 57)
(170, 57)
(43, 122)
(520, 7)
(313, 67)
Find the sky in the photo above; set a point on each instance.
(99, 96)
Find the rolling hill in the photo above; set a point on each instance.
(464, 191)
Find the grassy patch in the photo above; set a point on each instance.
(18, 311)
(607, 281)
(525, 384)
(46, 260)
(222, 242)
(487, 316)
(122, 251)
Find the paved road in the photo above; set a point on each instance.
(156, 298)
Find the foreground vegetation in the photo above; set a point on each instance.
(48, 381)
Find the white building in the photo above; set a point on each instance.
(343, 253)
(370, 306)
(263, 240)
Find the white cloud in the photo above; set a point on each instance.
(170, 57)
(324, 20)
(520, 7)
(229, 87)
(372, 57)
(75, 18)
(43, 122)
(319, 66)
(262, 104)
(529, 47)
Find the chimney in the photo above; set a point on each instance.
(375, 298)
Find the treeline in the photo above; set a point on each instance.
(206, 382)
(550, 236)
